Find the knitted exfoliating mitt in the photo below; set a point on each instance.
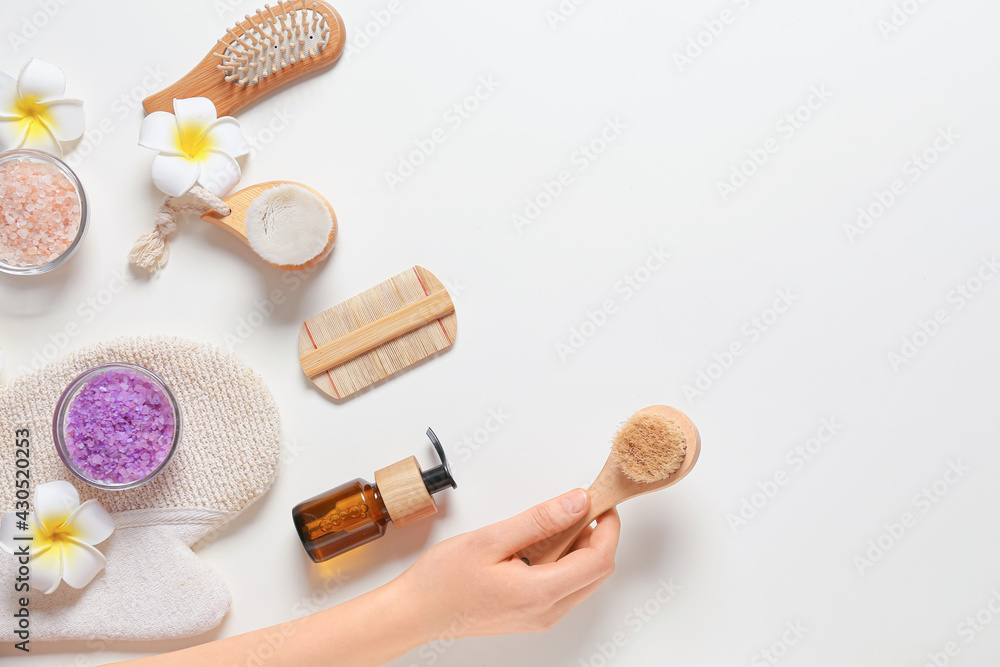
(153, 586)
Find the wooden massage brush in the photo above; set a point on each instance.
(377, 333)
(289, 225)
(656, 448)
(261, 53)
(281, 222)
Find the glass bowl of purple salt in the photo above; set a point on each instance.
(43, 212)
(117, 426)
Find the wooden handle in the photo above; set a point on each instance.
(552, 549)
(370, 336)
(557, 546)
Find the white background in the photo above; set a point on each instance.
(520, 293)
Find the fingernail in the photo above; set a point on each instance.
(575, 502)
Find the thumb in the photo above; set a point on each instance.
(536, 524)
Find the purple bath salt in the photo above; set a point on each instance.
(119, 427)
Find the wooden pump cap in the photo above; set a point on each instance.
(404, 493)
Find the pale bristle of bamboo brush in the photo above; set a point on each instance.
(649, 447)
(273, 39)
(388, 358)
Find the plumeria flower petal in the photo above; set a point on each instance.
(8, 97)
(64, 119)
(54, 503)
(40, 138)
(90, 523)
(40, 81)
(8, 531)
(62, 533)
(159, 133)
(39, 536)
(226, 136)
(7, 534)
(175, 174)
(194, 146)
(46, 570)
(33, 112)
(194, 114)
(12, 133)
(219, 172)
(80, 562)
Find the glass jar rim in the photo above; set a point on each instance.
(81, 231)
(66, 399)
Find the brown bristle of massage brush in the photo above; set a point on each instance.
(649, 447)
(377, 333)
(265, 51)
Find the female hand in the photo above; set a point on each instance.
(474, 584)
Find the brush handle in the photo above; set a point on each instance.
(606, 492)
(552, 549)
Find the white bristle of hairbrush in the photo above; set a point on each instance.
(275, 37)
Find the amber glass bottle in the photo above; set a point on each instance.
(357, 512)
(340, 519)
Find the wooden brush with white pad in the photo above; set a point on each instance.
(290, 225)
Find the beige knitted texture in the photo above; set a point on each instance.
(154, 586)
(230, 440)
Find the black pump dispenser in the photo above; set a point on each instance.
(440, 477)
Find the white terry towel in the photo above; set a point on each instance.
(154, 586)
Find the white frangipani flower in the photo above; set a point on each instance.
(194, 147)
(62, 533)
(33, 113)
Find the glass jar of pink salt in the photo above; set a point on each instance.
(43, 212)
(117, 426)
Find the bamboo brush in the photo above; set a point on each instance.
(265, 51)
(377, 333)
(656, 448)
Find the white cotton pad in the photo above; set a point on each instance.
(287, 225)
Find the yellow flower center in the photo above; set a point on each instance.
(193, 139)
(28, 107)
(59, 535)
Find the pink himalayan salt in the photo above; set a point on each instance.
(39, 212)
(119, 427)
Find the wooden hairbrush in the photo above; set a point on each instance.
(265, 51)
(655, 448)
(289, 242)
(377, 333)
